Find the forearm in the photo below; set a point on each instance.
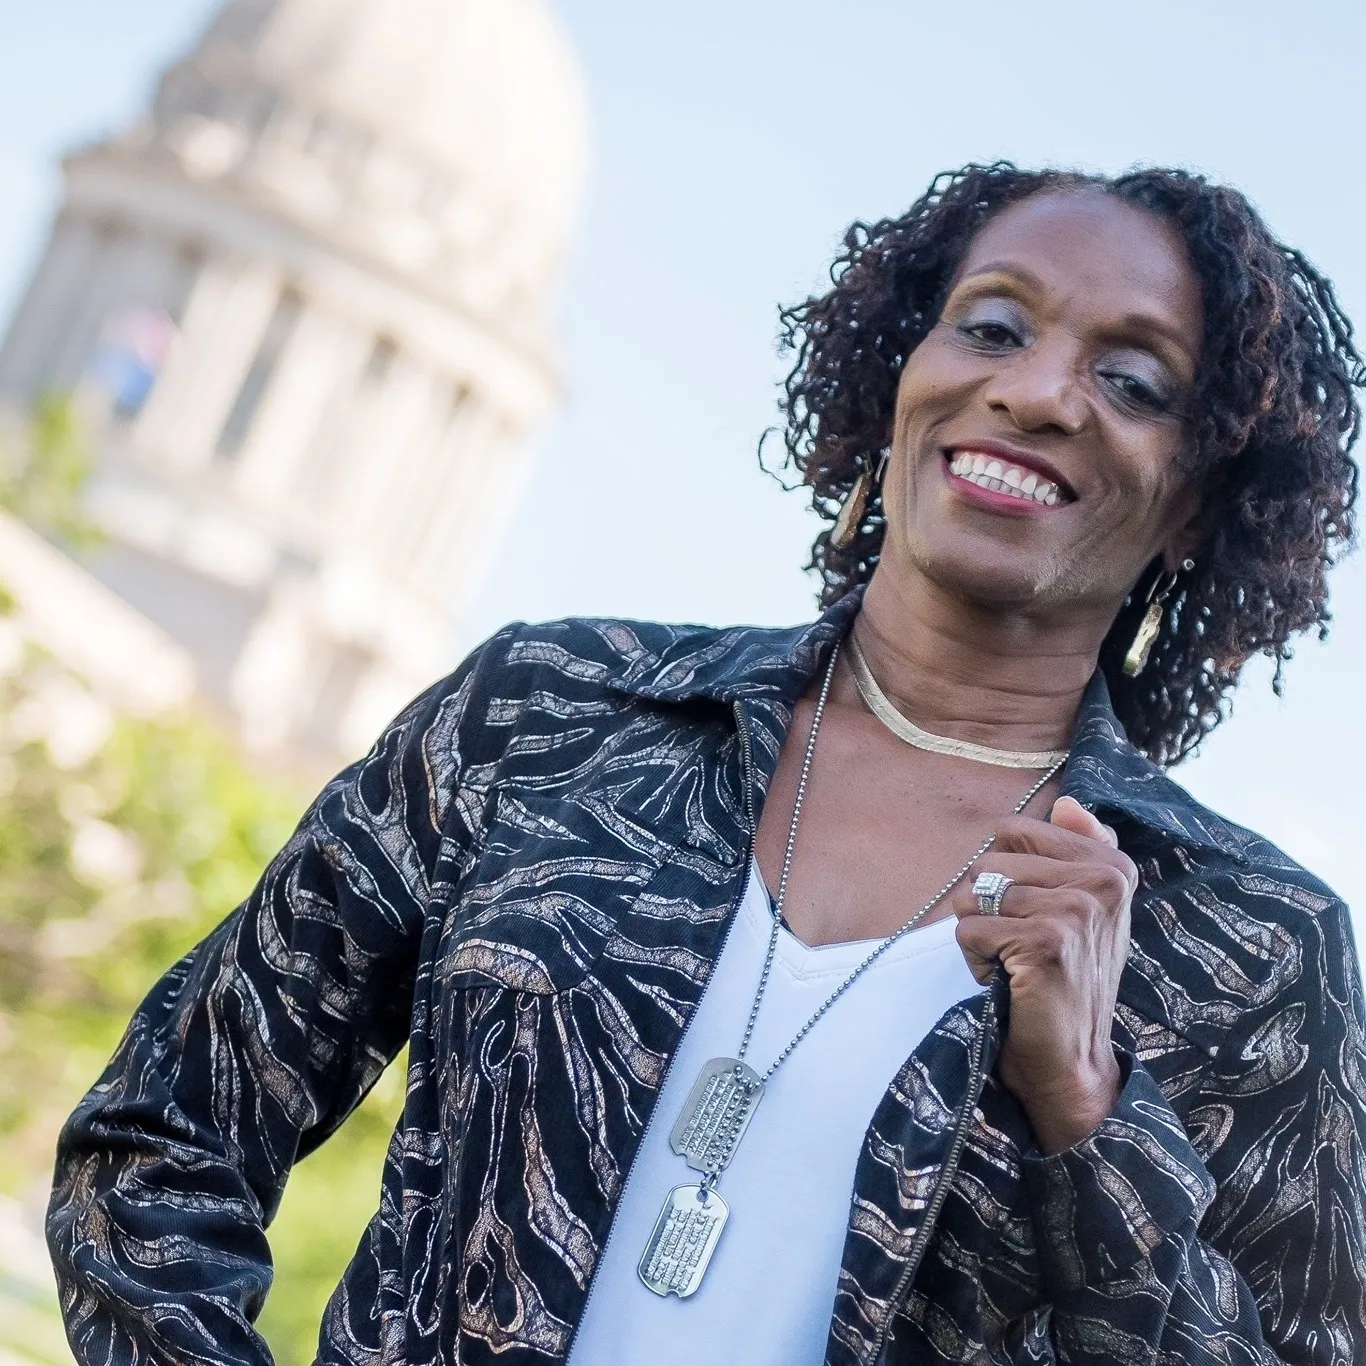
(156, 1238)
(1128, 1272)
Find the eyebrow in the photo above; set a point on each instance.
(1134, 324)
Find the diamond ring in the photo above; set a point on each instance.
(990, 890)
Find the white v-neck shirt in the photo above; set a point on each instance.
(768, 1294)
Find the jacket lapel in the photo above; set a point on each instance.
(905, 1168)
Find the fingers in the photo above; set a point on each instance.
(987, 941)
(1068, 875)
(1026, 835)
(1044, 930)
(981, 956)
(1022, 901)
(1069, 814)
(983, 940)
(1029, 835)
(1105, 881)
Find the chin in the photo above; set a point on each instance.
(986, 578)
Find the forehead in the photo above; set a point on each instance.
(1090, 248)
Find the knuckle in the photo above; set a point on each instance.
(1050, 942)
(972, 926)
(1013, 832)
(966, 934)
(1128, 870)
(1076, 903)
(1111, 883)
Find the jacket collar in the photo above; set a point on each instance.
(735, 663)
(1106, 774)
(763, 664)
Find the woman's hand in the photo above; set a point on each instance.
(1063, 936)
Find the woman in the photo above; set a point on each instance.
(1089, 444)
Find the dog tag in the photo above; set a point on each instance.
(717, 1113)
(684, 1238)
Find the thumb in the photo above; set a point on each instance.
(1069, 814)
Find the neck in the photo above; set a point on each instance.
(994, 677)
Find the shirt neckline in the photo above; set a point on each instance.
(804, 960)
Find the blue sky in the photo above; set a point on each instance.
(734, 142)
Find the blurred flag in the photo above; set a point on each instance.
(129, 355)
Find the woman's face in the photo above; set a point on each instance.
(1039, 425)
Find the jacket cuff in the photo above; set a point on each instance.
(1107, 1203)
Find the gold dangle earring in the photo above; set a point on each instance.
(1148, 629)
(856, 504)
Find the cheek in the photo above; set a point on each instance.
(1142, 502)
(1151, 480)
(931, 384)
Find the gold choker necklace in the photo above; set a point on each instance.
(881, 706)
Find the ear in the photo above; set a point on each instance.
(1187, 533)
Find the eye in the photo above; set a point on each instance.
(1135, 392)
(990, 333)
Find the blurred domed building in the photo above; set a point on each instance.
(306, 300)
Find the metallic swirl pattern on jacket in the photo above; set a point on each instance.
(529, 879)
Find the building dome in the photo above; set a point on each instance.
(445, 136)
(305, 300)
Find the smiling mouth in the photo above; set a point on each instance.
(995, 475)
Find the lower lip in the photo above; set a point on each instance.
(1004, 503)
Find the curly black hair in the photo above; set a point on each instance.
(1274, 419)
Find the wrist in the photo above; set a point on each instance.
(1062, 1116)
(1135, 1184)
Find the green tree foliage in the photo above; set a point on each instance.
(44, 464)
(110, 870)
(123, 841)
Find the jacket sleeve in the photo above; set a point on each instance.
(254, 1048)
(1254, 1252)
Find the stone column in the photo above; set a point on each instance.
(312, 370)
(227, 313)
(49, 307)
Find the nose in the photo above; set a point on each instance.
(1040, 390)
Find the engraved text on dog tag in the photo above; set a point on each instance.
(684, 1237)
(716, 1114)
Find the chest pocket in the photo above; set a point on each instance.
(552, 878)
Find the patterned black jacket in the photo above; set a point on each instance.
(529, 878)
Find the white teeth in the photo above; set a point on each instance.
(992, 474)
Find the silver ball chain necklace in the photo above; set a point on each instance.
(728, 1090)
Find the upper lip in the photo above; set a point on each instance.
(1013, 455)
